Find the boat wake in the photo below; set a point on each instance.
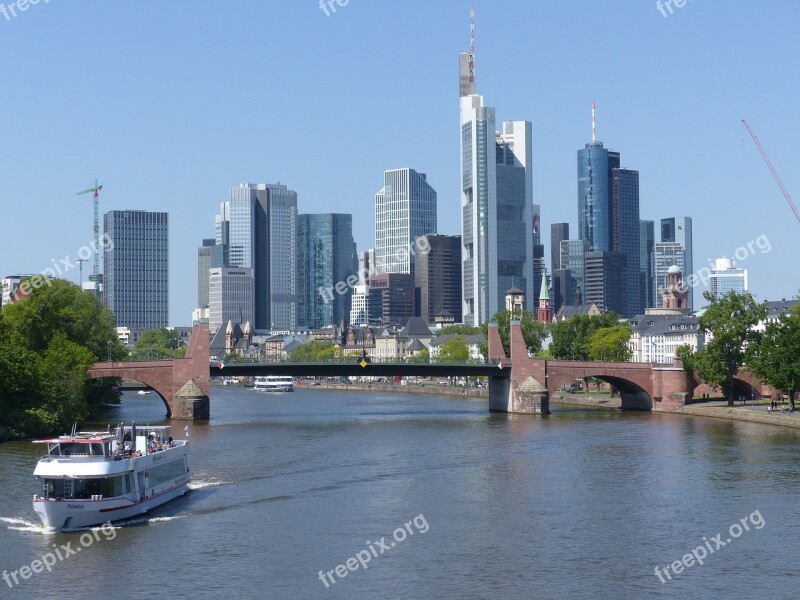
(199, 485)
(23, 525)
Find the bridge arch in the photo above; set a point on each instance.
(150, 387)
(634, 388)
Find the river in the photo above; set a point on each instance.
(426, 497)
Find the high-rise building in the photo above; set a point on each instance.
(558, 233)
(573, 259)
(625, 235)
(667, 254)
(203, 265)
(437, 276)
(647, 264)
(726, 277)
(230, 296)
(366, 266)
(257, 226)
(539, 267)
(325, 259)
(405, 208)
(604, 280)
(359, 306)
(396, 293)
(136, 268)
(595, 180)
(496, 205)
(679, 229)
(563, 289)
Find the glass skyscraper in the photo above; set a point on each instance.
(405, 208)
(325, 258)
(258, 227)
(625, 236)
(647, 265)
(595, 179)
(136, 268)
(572, 259)
(726, 277)
(496, 209)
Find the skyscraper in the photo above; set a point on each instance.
(136, 268)
(437, 276)
(260, 224)
(558, 233)
(625, 236)
(603, 280)
(405, 208)
(573, 259)
(726, 277)
(496, 204)
(679, 229)
(230, 296)
(595, 180)
(647, 265)
(203, 265)
(325, 258)
(667, 254)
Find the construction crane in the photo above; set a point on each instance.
(95, 191)
(772, 170)
(80, 262)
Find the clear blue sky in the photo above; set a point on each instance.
(169, 104)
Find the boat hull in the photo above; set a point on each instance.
(74, 514)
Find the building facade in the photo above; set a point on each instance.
(625, 235)
(726, 277)
(394, 293)
(437, 276)
(325, 258)
(496, 204)
(647, 264)
(230, 296)
(558, 233)
(604, 281)
(679, 229)
(656, 338)
(405, 208)
(667, 254)
(136, 268)
(257, 226)
(595, 180)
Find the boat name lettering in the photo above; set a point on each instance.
(75, 506)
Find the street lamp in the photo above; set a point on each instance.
(109, 350)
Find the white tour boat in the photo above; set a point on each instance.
(90, 478)
(274, 383)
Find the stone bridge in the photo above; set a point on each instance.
(182, 383)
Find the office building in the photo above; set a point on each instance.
(572, 259)
(625, 231)
(394, 293)
(726, 278)
(325, 259)
(230, 296)
(604, 274)
(366, 266)
(405, 208)
(679, 229)
(437, 276)
(647, 264)
(558, 233)
(203, 265)
(595, 181)
(496, 204)
(563, 289)
(136, 268)
(667, 254)
(537, 262)
(257, 227)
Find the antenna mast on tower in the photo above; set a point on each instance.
(472, 45)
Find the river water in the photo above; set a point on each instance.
(438, 498)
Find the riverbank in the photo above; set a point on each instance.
(445, 390)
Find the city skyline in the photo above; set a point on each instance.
(645, 113)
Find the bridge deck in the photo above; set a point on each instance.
(356, 370)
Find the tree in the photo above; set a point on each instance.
(571, 337)
(776, 356)
(423, 357)
(161, 342)
(454, 350)
(533, 332)
(459, 330)
(730, 323)
(314, 351)
(48, 340)
(610, 343)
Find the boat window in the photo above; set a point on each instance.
(54, 450)
(97, 449)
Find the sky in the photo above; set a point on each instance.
(169, 104)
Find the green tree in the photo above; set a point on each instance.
(454, 350)
(47, 342)
(776, 356)
(158, 343)
(423, 357)
(610, 343)
(571, 337)
(314, 351)
(730, 323)
(459, 330)
(533, 331)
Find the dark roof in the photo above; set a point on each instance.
(664, 324)
(779, 308)
(415, 346)
(416, 328)
(515, 290)
(566, 312)
(469, 339)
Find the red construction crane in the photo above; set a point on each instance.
(772, 170)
